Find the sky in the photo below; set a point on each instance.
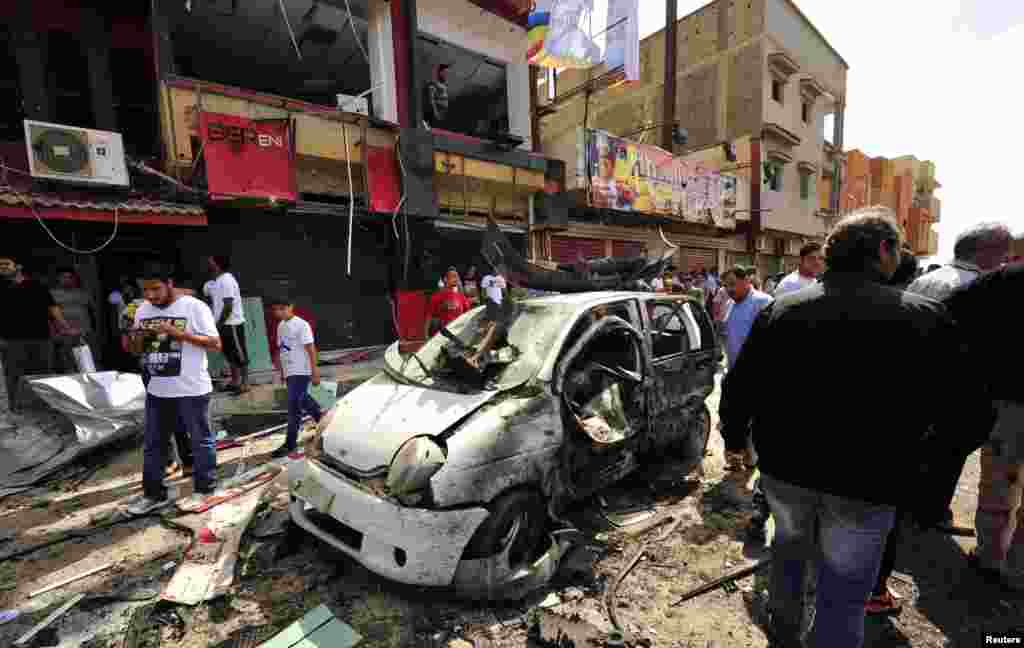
(924, 80)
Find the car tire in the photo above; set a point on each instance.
(517, 522)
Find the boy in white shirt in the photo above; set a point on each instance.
(296, 362)
(494, 286)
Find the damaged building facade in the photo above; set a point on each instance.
(755, 86)
(288, 135)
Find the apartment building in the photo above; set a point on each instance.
(904, 184)
(755, 75)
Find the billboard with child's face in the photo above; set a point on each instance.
(624, 175)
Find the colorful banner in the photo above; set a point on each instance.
(248, 158)
(627, 176)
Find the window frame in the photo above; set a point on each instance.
(805, 186)
(690, 325)
(805, 111)
(780, 85)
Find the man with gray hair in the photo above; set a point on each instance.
(980, 249)
(843, 341)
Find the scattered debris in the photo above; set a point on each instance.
(551, 600)
(233, 488)
(56, 614)
(208, 568)
(318, 627)
(272, 524)
(610, 596)
(70, 579)
(725, 581)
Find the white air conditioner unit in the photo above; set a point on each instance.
(350, 104)
(763, 243)
(71, 154)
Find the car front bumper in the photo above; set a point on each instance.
(408, 545)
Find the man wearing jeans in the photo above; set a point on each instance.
(842, 343)
(173, 332)
(296, 361)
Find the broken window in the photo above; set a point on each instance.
(477, 89)
(310, 52)
(670, 331)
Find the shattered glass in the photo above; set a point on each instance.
(531, 333)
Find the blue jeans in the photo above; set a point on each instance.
(164, 416)
(299, 401)
(843, 539)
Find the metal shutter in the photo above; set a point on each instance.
(693, 259)
(566, 249)
(627, 248)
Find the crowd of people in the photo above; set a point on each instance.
(870, 452)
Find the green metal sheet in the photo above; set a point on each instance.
(296, 632)
(256, 340)
(333, 634)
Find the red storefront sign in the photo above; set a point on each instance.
(247, 158)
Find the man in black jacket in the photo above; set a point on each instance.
(842, 341)
(979, 310)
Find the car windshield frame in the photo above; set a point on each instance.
(533, 332)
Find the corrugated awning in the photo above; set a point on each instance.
(15, 204)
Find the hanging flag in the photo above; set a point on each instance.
(623, 38)
(560, 34)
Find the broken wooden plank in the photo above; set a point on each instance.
(56, 614)
(208, 568)
(232, 488)
(70, 579)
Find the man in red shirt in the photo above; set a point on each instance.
(447, 304)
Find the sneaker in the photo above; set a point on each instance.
(143, 505)
(194, 500)
(886, 603)
(282, 452)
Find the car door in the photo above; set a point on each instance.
(602, 381)
(683, 359)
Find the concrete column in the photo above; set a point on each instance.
(519, 114)
(380, 42)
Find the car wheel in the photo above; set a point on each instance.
(517, 525)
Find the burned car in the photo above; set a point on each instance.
(453, 465)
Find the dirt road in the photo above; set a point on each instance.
(277, 580)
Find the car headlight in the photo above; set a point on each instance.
(413, 466)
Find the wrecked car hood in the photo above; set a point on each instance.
(374, 420)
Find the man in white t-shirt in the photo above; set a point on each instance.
(494, 286)
(227, 311)
(296, 361)
(173, 332)
(812, 264)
